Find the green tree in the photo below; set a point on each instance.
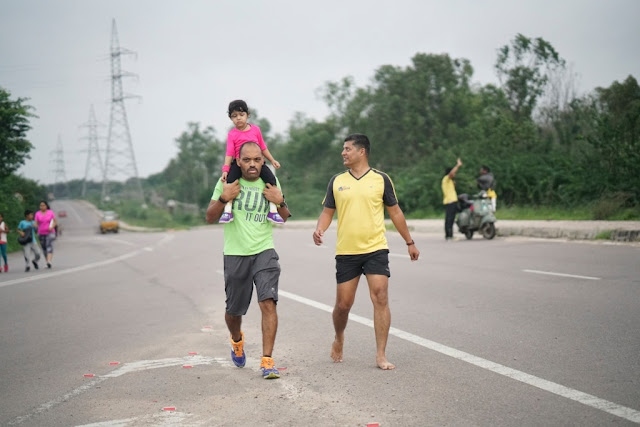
(199, 155)
(14, 125)
(310, 158)
(16, 195)
(523, 68)
(617, 137)
(409, 113)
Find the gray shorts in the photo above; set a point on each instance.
(242, 272)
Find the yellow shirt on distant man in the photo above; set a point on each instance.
(448, 191)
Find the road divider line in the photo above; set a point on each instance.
(80, 267)
(100, 242)
(557, 389)
(166, 418)
(551, 273)
(70, 207)
(53, 403)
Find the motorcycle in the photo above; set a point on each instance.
(476, 214)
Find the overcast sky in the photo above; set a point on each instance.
(194, 56)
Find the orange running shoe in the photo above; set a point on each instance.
(237, 351)
(269, 371)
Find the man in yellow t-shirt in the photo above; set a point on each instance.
(360, 196)
(450, 199)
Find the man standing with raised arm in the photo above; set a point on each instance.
(450, 199)
(359, 195)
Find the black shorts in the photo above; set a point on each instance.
(351, 266)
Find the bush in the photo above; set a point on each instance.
(16, 195)
(304, 205)
(133, 213)
(609, 205)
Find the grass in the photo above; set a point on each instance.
(581, 213)
(544, 213)
(152, 217)
(521, 213)
(603, 235)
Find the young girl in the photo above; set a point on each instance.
(245, 132)
(3, 242)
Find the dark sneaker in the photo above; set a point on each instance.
(35, 264)
(269, 371)
(275, 218)
(226, 218)
(237, 351)
(27, 269)
(48, 265)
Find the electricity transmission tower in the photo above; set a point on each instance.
(120, 160)
(59, 177)
(94, 162)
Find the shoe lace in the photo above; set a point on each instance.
(237, 346)
(237, 349)
(267, 363)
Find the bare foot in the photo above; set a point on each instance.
(384, 364)
(336, 350)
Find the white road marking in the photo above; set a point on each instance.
(83, 267)
(99, 241)
(122, 242)
(141, 365)
(551, 273)
(144, 365)
(132, 367)
(558, 389)
(170, 418)
(53, 403)
(75, 213)
(166, 239)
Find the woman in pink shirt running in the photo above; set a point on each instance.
(46, 223)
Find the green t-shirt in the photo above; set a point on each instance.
(250, 232)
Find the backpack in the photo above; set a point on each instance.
(27, 238)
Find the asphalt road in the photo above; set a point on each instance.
(512, 331)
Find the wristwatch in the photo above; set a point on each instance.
(284, 203)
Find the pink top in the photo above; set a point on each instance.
(236, 138)
(43, 220)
